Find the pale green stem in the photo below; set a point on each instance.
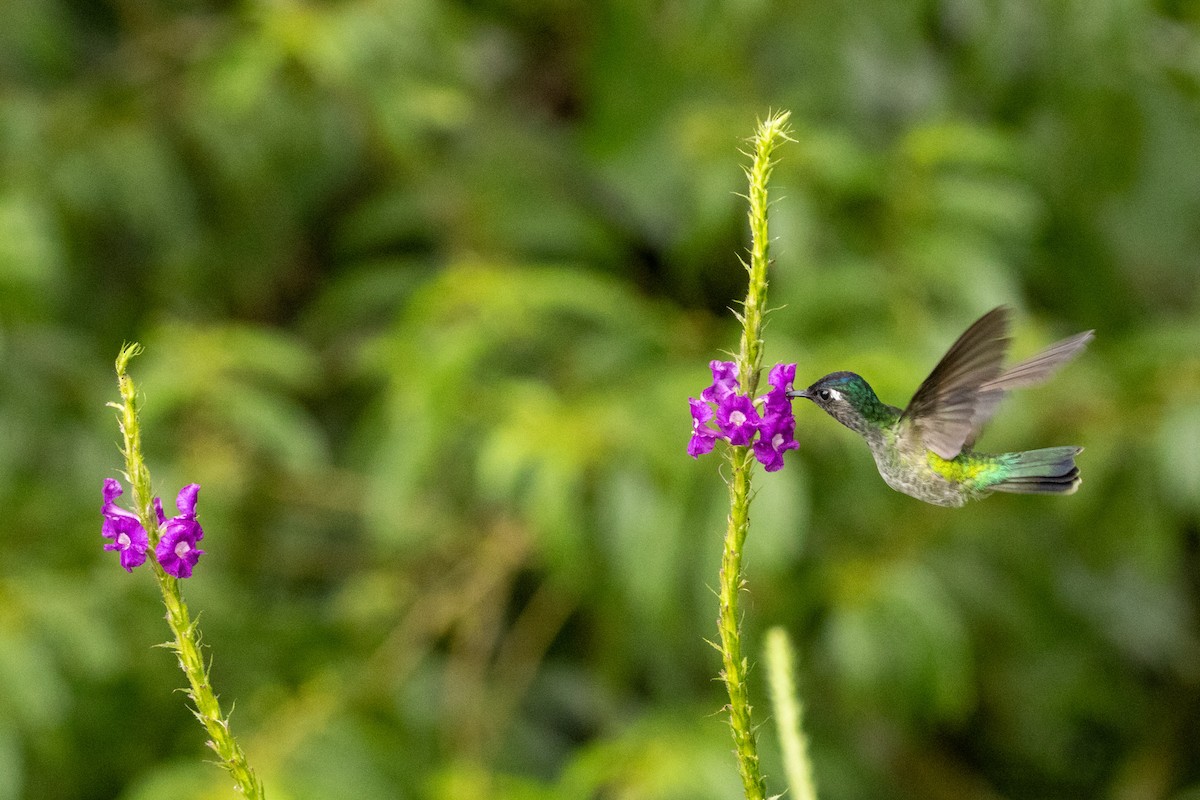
(734, 664)
(187, 636)
(787, 708)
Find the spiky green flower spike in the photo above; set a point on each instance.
(925, 450)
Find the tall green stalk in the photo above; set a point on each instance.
(735, 666)
(187, 635)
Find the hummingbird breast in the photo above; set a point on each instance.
(912, 471)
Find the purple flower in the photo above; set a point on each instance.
(768, 427)
(703, 437)
(724, 383)
(176, 550)
(127, 534)
(737, 419)
(776, 436)
(781, 378)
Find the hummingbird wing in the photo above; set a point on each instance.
(1030, 372)
(942, 412)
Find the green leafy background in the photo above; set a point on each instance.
(424, 287)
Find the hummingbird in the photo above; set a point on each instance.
(926, 449)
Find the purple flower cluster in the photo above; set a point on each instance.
(176, 550)
(739, 420)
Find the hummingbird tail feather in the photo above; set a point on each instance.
(1050, 470)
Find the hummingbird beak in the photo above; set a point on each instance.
(800, 393)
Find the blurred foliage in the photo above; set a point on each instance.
(424, 287)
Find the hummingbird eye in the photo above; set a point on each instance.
(824, 394)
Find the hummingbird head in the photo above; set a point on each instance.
(849, 399)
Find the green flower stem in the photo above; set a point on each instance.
(786, 705)
(734, 664)
(187, 635)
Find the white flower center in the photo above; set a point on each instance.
(182, 549)
(123, 541)
(737, 418)
(777, 441)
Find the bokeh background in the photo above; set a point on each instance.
(424, 287)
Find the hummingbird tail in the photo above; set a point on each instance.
(1051, 470)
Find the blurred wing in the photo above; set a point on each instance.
(1029, 372)
(943, 410)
